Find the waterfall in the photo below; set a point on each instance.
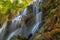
(14, 31)
(24, 11)
(3, 27)
(2, 30)
(38, 17)
(36, 25)
(15, 22)
(17, 19)
(33, 28)
(13, 27)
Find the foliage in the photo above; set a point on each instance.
(51, 15)
(11, 7)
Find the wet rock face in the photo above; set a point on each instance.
(30, 9)
(0, 25)
(19, 37)
(29, 19)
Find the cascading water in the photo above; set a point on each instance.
(24, 11)
(13, 26)
(3, 27)
(13, 31)
(2, 30)
(15, 22)
(36, 25)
